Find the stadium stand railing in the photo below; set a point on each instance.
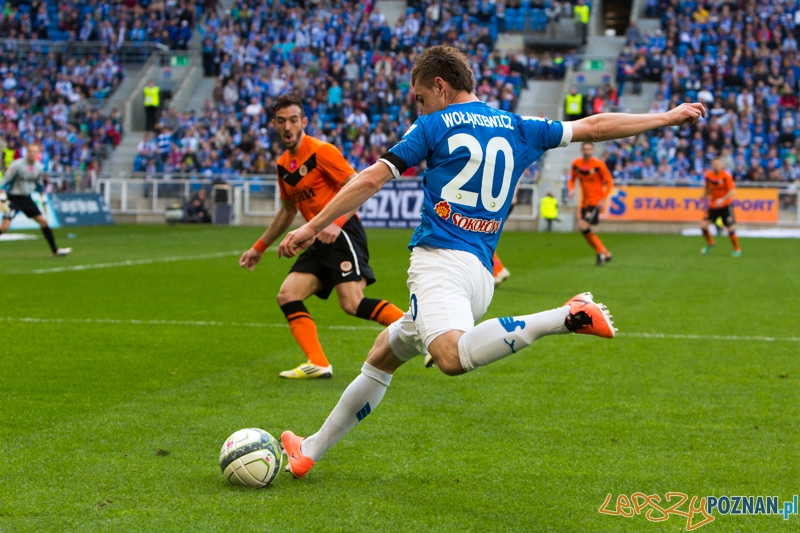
(137, 195)
(126, 53)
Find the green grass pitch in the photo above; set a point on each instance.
(119, 385)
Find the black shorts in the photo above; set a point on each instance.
(725, 213)
(23, 203)
(591, 214)
(345, 259)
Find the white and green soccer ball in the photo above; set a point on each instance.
(250, 457)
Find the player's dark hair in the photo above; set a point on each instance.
(287, 100)
(444, 62)
(585, 143)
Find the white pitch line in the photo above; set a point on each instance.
(211, 323)
(709, 337)
(135, 322)
(131, 262)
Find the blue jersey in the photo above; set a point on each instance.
(475, 155)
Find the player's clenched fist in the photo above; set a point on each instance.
(686, 113)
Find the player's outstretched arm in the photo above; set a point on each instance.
(350, 198)
(283, 219)
(609, 126)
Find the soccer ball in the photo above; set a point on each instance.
(250, 457)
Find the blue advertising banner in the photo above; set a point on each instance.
(397, 205)
(20, 221)
(81, 209)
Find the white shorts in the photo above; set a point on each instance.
(450, 290)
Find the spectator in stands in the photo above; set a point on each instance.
(164, 143)
(146, 151)
(195, 210)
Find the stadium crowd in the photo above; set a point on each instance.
(53, 98)
(352, 69)
(111, 22)
(54, 102)
(740, 59)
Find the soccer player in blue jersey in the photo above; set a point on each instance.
(475, 155)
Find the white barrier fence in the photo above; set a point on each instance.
(260, 197)
(254, 197)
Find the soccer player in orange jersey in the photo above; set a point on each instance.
(596, 185)
(310, 174)
(720, 191)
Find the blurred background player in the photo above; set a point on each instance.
(499, 272)
(24, 177)
(310, 174)
(596, 185)
(720, 191)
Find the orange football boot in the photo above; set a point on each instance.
(589, 318)
(299, 464)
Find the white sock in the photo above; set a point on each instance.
(494, 339)
(360, 398)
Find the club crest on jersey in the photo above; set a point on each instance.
(443, 209)
(303, 170)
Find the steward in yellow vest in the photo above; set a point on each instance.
(151, 103)
(548, 208)
(574, 104)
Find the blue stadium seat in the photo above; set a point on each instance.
(538, 20)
